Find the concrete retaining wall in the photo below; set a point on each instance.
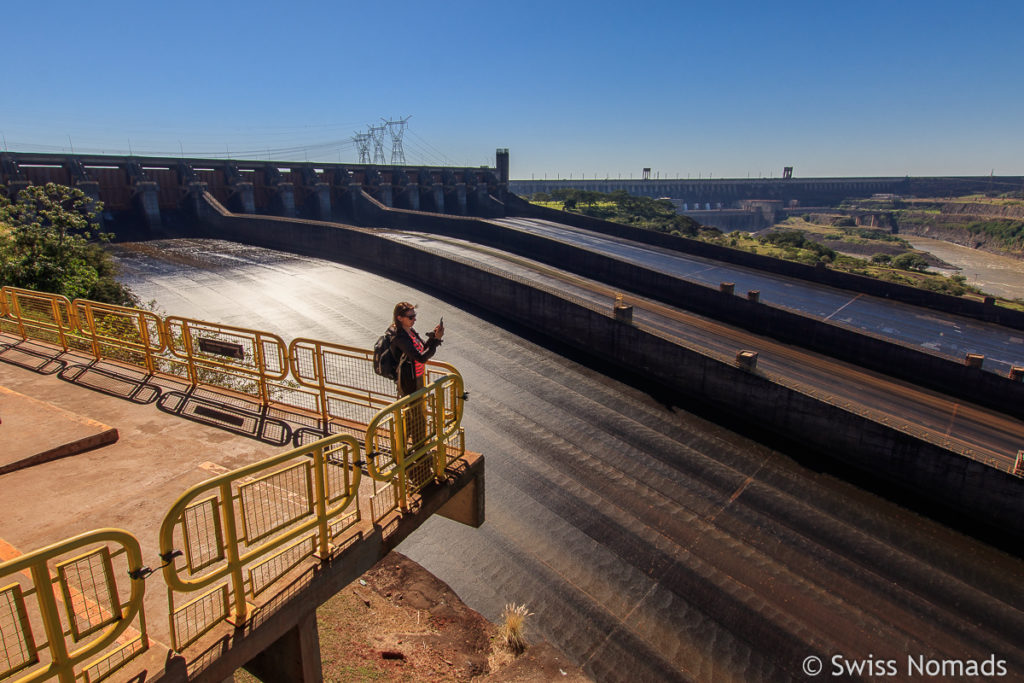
(940, 373)
(516, 206)
(931, 471)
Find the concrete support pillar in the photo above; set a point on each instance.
(412, 196)
(439, 206)
(387, 197)
(322, 191)
(245, 196)
(460, 198)
(193, 203)
(91, 189)
(147, 196)
(294, 657)
(354, 190)
(285, 199)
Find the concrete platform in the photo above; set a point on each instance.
(34, 432)
(153, 455)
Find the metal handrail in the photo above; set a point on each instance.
(440, 404)
(65, 659)
(59, 323)
(314, 365)
(324, 505)
(94, 319)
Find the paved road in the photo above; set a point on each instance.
(950, 335)
(651, 544)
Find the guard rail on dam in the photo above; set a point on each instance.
(247, 556)
(945, 473)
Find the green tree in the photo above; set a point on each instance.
(50, 242)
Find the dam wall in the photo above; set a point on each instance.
(918, 366)
(929, 470)
(978, 310)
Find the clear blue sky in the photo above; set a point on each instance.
(727, 89)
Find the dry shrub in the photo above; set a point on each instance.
(513, 623)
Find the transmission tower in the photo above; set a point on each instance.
(396, 129)
(376, 134)
(362, 141)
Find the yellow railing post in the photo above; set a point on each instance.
(16, 309)
(320, 481)
(59, 323)
(90, 320)
(241, 610)
(186, 335)
(60, 665)
(438, 418)
(261, 367)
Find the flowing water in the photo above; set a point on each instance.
(649, 543)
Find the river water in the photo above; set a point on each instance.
(994, 274)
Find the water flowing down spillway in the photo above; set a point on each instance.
(651, 544)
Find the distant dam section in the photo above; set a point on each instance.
(754, 203)
(709, 194)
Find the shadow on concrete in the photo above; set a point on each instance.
(118, 382)
(31, 356)
(230, 413)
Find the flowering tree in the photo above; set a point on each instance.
(50, 241)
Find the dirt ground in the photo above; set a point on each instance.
(400, 623)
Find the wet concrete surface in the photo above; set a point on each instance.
(650, 543)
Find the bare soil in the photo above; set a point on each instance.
(398, 622)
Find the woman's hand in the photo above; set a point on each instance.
(438, 332)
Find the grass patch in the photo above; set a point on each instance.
(512, 628)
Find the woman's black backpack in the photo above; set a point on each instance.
(384, 362)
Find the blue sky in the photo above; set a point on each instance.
(726, 89)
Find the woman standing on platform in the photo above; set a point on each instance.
(412, 352)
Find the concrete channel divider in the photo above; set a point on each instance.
(938, 472)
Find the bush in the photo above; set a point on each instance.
(910, 261)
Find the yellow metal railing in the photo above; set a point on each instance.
(66, 604)
(333, 382)
(410, 442)
(227, 540)
(37, 315)
(239, 532)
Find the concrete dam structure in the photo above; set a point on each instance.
(150, 193)
(603, 337)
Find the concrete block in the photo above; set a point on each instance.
(747, 360)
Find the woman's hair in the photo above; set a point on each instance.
(400, 309)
